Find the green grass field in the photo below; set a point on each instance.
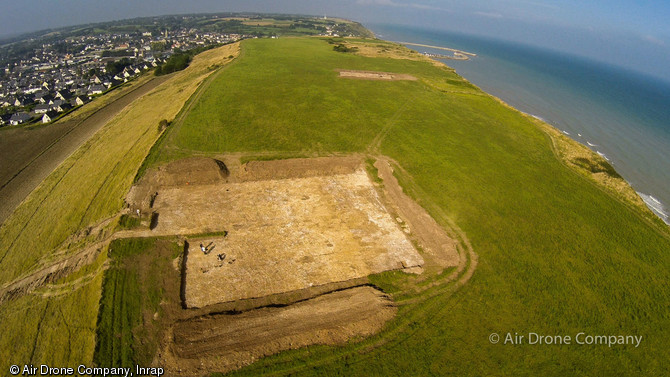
(128, 333)
(558, 255)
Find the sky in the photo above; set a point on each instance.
(634, 34)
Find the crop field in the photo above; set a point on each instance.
(557, 253)
(76, 205)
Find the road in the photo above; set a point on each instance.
(29, 155)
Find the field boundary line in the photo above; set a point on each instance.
(186, 109)
(375, 144)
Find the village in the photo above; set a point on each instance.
(58, 77)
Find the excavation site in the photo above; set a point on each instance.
(276, 254)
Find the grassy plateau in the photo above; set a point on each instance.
(558, 253)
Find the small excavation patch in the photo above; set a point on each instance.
(374, 75)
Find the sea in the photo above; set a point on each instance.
(622, 115)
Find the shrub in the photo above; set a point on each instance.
(343, 48)
(163, 124)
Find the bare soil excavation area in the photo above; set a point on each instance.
(301, 233)
(224, 342)
(283, 235)
(374, 75)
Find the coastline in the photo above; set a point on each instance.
(619, 186)
(567, 149)
(458, 54)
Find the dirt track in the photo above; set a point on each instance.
(28, 156)
(430, 235)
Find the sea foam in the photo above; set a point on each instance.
(656, 206)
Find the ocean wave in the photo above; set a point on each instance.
(580, 135)
(655, 200)
(656, 207)
(591, 144)
(602, 155)
(566, 132)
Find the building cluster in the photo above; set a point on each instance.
(58, 76)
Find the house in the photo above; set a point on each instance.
(80, 91)
(41, 108)
(62, 107)
(63, 95)
(39, 97)
(55, 103)
(49, 116)
(96, 89)
(19, 118)
(4, 119)
(47, 98)
(79, 101)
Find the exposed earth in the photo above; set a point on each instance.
(288, 245)
(283, 235)
(224, 342)
(373, 75)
